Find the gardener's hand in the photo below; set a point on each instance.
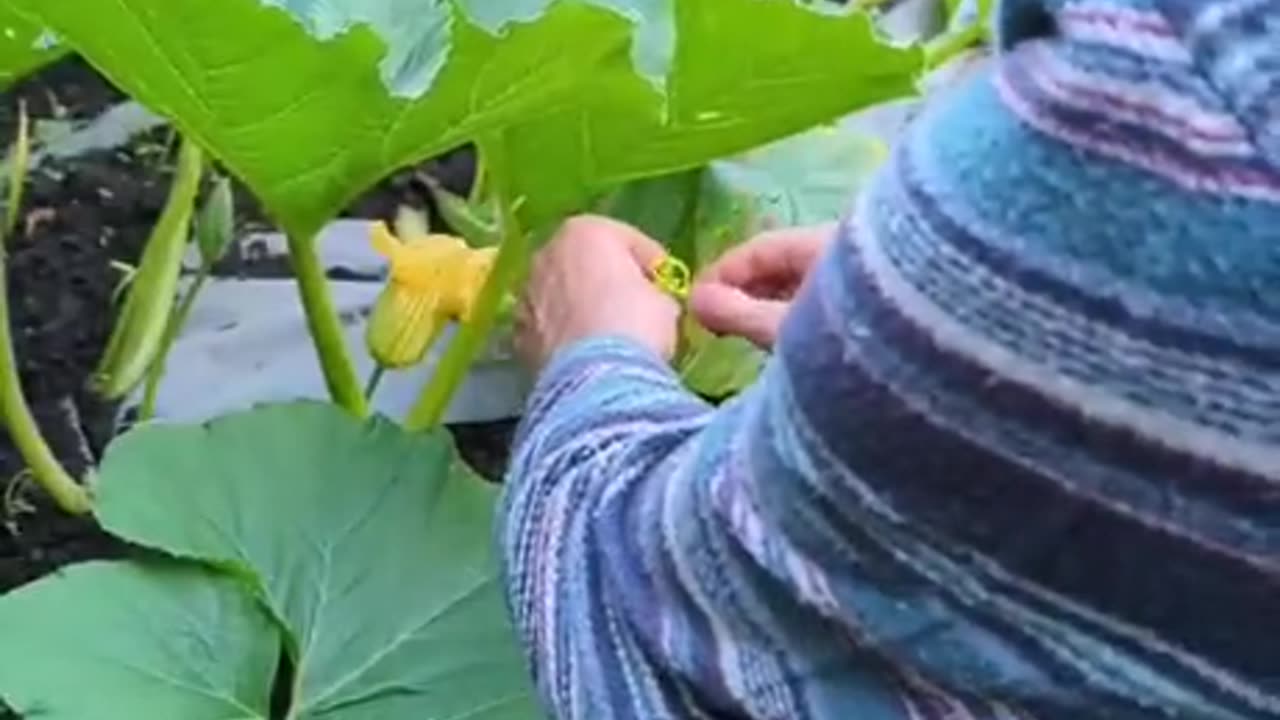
(747, 292)
(592, 279)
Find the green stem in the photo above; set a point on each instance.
(371, 385)
(176, 323)
(70, 495)
(19, 158)
(140, 327)
(471, 336)
(943, 48)
(325, 327)
(167, 149)
(481, 180)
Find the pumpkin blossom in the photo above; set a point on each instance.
(434, 279)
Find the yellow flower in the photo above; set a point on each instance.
(434, 279)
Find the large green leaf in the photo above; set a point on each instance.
(303, 108)
(310, 102)
(123, 641)
(371, 547)
(418, 35)
(808, 179)
(664, 207)
(745, 72)
(24, 46)
(654, 19)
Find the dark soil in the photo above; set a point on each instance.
(79, 216)
(486, 446)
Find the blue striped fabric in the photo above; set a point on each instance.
(1017, 452)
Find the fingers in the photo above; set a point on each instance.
(593, 279)
(778, 258)
(645, 249)
(526, 323)
(726, 310)
(596, 228)
(747, 292)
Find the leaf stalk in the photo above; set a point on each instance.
(147, 410)
(70, 495)
(508, 267)
(325, 326)
(141, 326)
(945, 47)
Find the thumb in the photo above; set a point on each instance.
(726, 310)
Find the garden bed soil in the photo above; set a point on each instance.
(81, 215)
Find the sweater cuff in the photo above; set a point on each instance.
(580, 365)
(576, 359)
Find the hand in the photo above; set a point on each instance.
(747, 292)
(592, 279)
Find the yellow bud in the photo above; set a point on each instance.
(402, 326)
(672, 276)
(433, 279)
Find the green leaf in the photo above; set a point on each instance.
(475, 222)
(654, 46)
(370, 545)
(123, 641)
(717, 367)
(348, 90)
(663, 207)
(654, 19)
(745, 72)
(300, 102)
(24, 46)
(321, 114)
(808, 179)
(419, 36)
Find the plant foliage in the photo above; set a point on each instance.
(700, 214)
(359, 550)
(310, 103)
(24, 46)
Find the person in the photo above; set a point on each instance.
(1015, 452)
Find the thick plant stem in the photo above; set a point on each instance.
(70, 495)
(479, 185)
(471, 336)
(180, 315)
(326, 327)
(140, 327)
(21, 156)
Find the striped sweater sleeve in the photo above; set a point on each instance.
(1017, 452)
